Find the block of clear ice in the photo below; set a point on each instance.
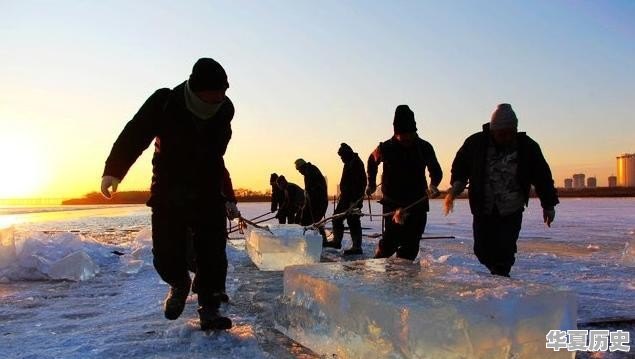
(76, 266)
(282, 245)
(392, 308)
(39, 256)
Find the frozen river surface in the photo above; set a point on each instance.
(118, 312)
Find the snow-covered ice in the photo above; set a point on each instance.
(282, 245)
(118, 312)
(628, 257)
(381, 308)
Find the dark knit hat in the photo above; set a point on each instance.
(503, 117)
(281, 181)
(344, 148)
(299, 163)
(404, 121)
(207, 74)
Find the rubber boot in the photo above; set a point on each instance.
(175, 300)
(212, 320)
(356, 248)
(500, 269)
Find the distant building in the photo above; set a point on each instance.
(568, 183)
(578, 180)
(591, 182)
(626, 170)
(612, 181)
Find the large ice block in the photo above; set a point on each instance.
(39, 256)
(286, 244)
(75, 266)
(392, 308)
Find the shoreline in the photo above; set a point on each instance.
(141, 197)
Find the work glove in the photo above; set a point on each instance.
(433, 191)
(106, 183)
(456, 189)
(548, 215)
(371, 189)
(448, 204)
(232, 210)
(399, 217)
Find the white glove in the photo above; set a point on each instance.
(106, 183)
(433, 191)
(232, 210)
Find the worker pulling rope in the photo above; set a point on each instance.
(397, 215)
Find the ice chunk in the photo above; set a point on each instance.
(286, 244)
(7, 247)
(130, 265)
(392, 308)
(142, 246)
(40, 256)
(628, 256)
(75, 266)
(141, 253)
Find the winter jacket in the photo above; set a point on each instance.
(403, 179)
(293, 198)
(187, 166)
(314, 183)
(277, 197)
(353, 182)
(469, 168)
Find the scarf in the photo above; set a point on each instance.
(198, 107)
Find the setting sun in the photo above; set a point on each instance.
(22, 168)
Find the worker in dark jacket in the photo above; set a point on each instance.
(191, 190)
(500, 164)
(277, 199)
(293, 200)
(317, 200)
(352, 186)
(405, 158)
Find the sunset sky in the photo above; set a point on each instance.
(307, 75)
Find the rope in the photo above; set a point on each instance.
(392, 213)
(356, 211)
(239, 228)
(243, 222)
(262, 215)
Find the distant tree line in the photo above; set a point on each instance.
(141, 197)
(247, 195)
(126, 197)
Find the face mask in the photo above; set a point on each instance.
(198, 107)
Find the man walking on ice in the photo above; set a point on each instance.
(191, 192)
(500, 164)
